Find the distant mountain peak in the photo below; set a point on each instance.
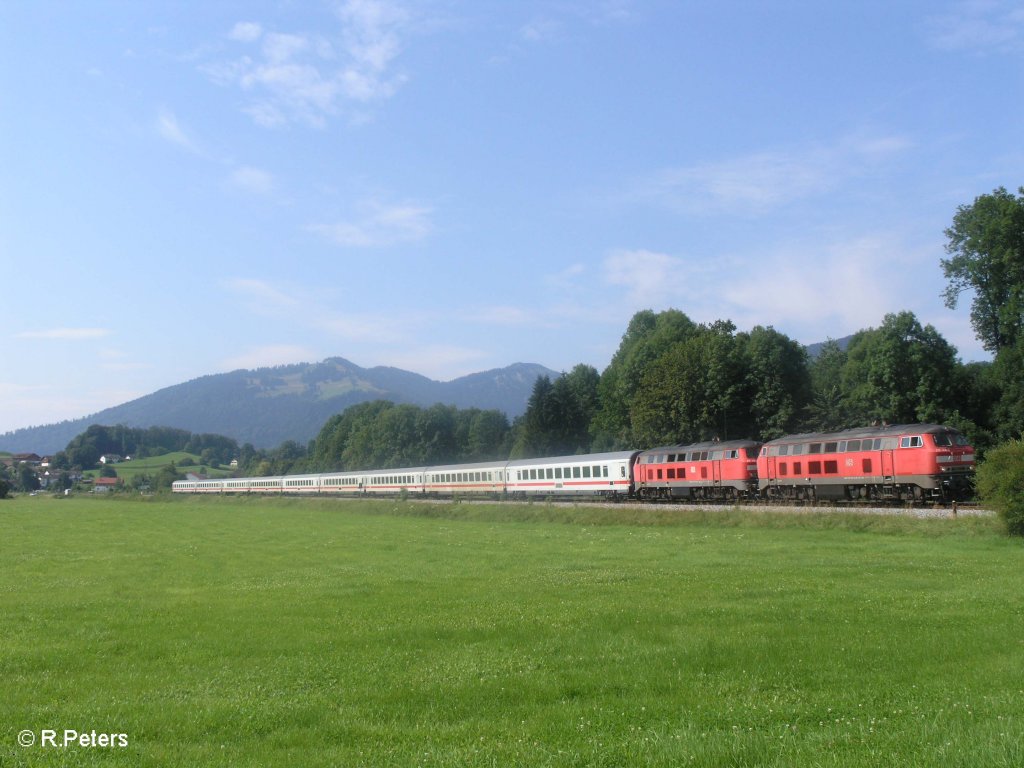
(266, 406)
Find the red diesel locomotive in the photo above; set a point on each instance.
(905, 462)
(712, 470)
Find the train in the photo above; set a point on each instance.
(905, 463)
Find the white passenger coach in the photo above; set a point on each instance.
(597, 474)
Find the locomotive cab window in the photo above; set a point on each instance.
(911, 442)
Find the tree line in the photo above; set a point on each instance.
(84, 450)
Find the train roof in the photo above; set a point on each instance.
(583, 458)
(496, 464)
(707, 445)
(885, 430)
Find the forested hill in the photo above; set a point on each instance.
(267, 406)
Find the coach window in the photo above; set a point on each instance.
(550, 473)
(576, 472)
(558, 473)
(586, 472)
(604, 471)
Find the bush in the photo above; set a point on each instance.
(1000, 482)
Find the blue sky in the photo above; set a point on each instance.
(449, 186)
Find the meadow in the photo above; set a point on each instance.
(259, 632)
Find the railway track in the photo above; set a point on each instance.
(920, 510)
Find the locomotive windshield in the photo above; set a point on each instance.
(949, 438)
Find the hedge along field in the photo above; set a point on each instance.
(251, 631)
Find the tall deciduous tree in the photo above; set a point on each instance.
(648, 337)
(828, 410)
(778, 382)
(986, 248)
(901, 372)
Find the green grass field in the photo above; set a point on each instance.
(245, 632)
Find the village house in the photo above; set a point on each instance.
(105, 484)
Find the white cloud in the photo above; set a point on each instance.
(253, 180)
(379, 225)
(762, 181)
(65, 334)
(982, 26)
(540, 30)
(301, 306)
(246, 32)
(810, 291)
(837, 287)
(296, 77)
(507, 316)
(266, 296)
(168, 128)
(649, 278)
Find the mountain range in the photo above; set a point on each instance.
(268, 406)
